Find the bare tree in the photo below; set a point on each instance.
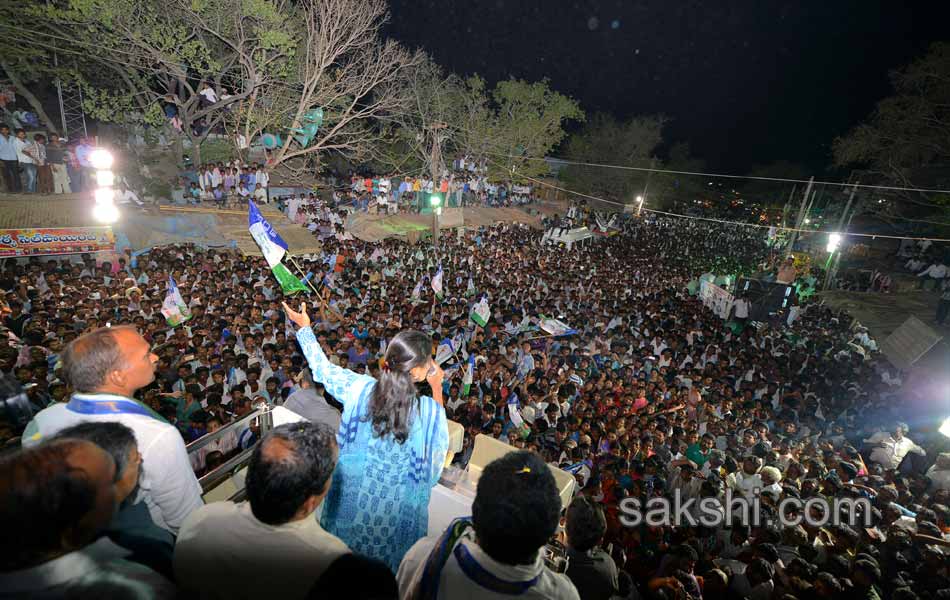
(168, 53)
(345, 69)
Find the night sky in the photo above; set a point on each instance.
(745, 83)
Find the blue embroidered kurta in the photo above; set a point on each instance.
(379, 498)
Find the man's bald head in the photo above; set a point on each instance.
(109, 359)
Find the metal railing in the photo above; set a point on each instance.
(214, 477)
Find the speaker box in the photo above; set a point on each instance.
(766, 298)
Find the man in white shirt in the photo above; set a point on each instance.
(937, 271)
(889, 449)
(273, 544)
(27, 163)
(747, 480)
(741, 307)
(105, 368)
(127, 197)
(515, 512)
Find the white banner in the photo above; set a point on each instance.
(715, 299)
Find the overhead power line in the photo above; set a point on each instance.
(725, 221)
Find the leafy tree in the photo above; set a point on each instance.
(141, 55)
(604, 140)
(527, 122)
(906, 140)
(24, 61)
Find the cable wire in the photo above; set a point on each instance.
(725, 221)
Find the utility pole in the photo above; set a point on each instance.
(435, 167)
(646, 186)
(833, 271)
(801, 215)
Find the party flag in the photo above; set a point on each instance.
(273, 247)
(174, 308)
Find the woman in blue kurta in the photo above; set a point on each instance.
(392, 444)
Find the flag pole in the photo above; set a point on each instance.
(310, 283)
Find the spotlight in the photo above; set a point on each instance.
(104, 195)
(833, 240)
(945, 427)
(105, 178)
(100, 158)
(106, 213)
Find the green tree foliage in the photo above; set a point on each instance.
(134, 56)
(906, 140)
(604, 140)
(527, 123)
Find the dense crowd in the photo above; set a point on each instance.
(652, 396)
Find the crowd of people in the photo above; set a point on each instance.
(44, 164)
(650, 395)
(226, 185)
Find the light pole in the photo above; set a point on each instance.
(435, 166)
(435, 202)
(105, 210)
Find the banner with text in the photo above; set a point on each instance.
(57, 240)
(715, 298)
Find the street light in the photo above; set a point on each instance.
(104, 195)
(106, 213)
(833, 240)
(105, 178)
(100, 159)
(105, 210)
(435, 201)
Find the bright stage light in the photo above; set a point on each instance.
(100, 158)
(106, 213)
(105, 195)
(105, 178)
(833, 240)
(945, 427)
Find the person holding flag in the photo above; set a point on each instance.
(392, 440)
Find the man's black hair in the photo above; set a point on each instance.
(586, 524)
(292, 463)
(516, 508)
(113, 437)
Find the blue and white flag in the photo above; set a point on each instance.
(174, 308)
(445, 351)
(555, 327)
(437, 283)
(417, 292)
(481, 312)
(469, 375)
(514, 410)
(273, 247)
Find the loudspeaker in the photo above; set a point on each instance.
(766, 298)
